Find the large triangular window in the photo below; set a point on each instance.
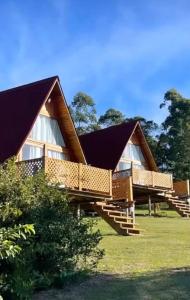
(47, 130)
(132, 154)
(45, 139)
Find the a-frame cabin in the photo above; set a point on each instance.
(136, 178)
(36, 127)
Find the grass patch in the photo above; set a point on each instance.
(155, 265)
(165, 244)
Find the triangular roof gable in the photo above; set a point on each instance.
(103, 148)
(20, 107)
(147, 153)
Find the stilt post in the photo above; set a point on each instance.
(149, 205)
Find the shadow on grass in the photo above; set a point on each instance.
(158, 215)
(165, 285)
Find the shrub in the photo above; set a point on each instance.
(63, 244)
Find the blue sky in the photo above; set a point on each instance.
(125, 54)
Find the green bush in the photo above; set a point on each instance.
(62, 245)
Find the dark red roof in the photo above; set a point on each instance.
(19, 108)
(103, 148)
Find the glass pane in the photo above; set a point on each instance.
(56, 154)
(139, 166)
(124, 166)
(47, 130)
(126, 152)
(31, 152)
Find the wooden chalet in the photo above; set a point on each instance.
(135, 178)
(36, 127)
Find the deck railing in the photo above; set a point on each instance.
(70, 175)
(146, 178)
(152, 179)
(181, 188)
(122, 188)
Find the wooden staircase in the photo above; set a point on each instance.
(117, 218)
(180, 206)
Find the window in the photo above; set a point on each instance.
(31, 152)
(47, 130)
(133, 152)
(56, 154)
(124, 165)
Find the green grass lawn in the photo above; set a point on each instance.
(155, 265)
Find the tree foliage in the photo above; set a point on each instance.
(111, 117)
(83, 112)
(174, 145)
(168, 142)
(62, 244)
(9, 238)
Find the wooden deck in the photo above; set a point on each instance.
(75, 177)
(126, 183)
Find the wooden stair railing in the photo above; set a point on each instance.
(179, 205)
(116, 218)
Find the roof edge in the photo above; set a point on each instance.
(56, 77)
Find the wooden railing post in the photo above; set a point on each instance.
(132, 172)
(153, 178)
(130, 189)
(110, 183)
(80, 176)
(45, 167)
(188, 192)
(171, 178)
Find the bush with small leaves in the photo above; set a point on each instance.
(63, 244)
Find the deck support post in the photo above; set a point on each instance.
(78, 211)
(149, 205)
(155, 209)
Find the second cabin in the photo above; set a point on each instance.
(123, 149)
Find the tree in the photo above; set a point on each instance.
(174, 142)
(111, 117)
(83, 112)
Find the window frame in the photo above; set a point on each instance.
(45, 147)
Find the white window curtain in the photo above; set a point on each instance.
(133, 152)
(31, 152)
(56, 155)
(47, 130)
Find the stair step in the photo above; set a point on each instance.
(117, 218)
(177, 202)
(120, 216)
(133, 230)
(116, 213)
(123, 222)
(186, 215)
(183, 208)
(111, 210)
(123, 226)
